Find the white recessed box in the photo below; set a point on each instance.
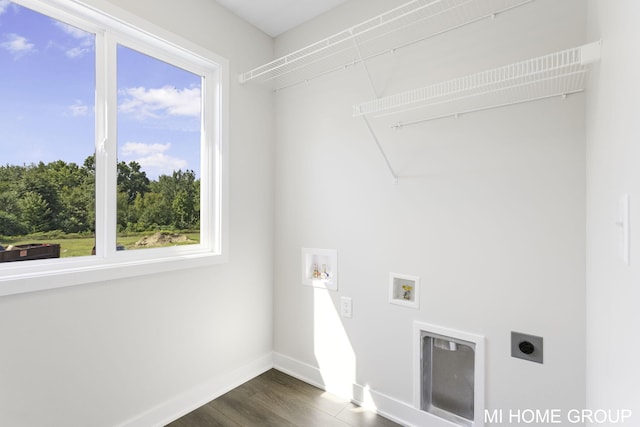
(404, 290)
(449, 376)
(320, 268)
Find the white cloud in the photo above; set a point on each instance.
(4, 5)
(77, 51)
(160, 102)
(142, 149)
(78, 108)
(17, 45)
(85, 40)
(74, 32)
(153, 158)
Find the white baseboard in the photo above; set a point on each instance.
(186, 402)
(386, 406)
(300, 370)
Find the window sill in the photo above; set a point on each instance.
(53, 274)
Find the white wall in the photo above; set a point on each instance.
(136, 351)
(613, 133)
(491, 217)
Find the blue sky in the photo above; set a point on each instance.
(47, 91)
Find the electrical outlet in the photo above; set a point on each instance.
(346, 307)
(527, 347)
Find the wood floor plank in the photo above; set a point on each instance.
(236, 407)
(296, 409)
(205, 416)
(313, 396)
(275, 399)
(358, 417)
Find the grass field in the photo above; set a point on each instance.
(81, 246)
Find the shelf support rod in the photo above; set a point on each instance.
(384, 156)
(366, 120)
(365, 66)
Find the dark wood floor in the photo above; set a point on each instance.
(278, 400)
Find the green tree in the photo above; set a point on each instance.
(79, 209)
(37, 189)
(182, 191)
(123, 209)
(132, 180)
(10, 175)
(10, 225)
(153, 211)
(183, 210)
(61, 196)
(10, 202)
(76, 193)
(36, 212)
(89, 165)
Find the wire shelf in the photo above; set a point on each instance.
(402, 26)
(556, 74)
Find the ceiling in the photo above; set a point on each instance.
(274, 17)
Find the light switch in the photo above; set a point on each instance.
(346, 307)
(623, 224)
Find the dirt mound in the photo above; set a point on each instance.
(162, 238)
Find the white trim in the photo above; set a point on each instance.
(389, 407)
(108, 157)
(58, 276)
(192, 399)
(297, 369)
(384, 405)
(396, 410)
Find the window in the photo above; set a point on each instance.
(159, 134)
(47, 89)
(111, 150)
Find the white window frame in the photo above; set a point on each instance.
(115, 27)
